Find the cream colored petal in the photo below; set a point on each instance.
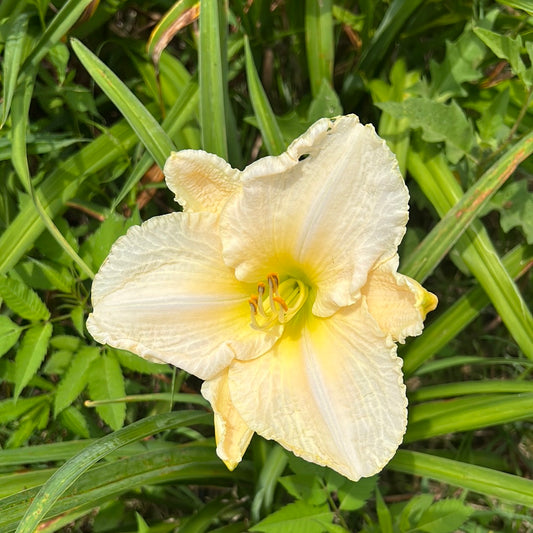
(331, 392)
(327, 210)
(165, 294)
(200, 181)
(397, 302)
(231, 432)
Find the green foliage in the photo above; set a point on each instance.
(87, 121)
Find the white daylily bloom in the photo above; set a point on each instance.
(278, 286)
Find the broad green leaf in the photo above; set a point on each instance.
(444, 516)
(107, 383)
(298, 517)
(353, 496)
(491, 125)
(12, 409)
(266, 120)
(493, 483)
(75, 467)
(305, 487)
(9, 334)
(519, 4)
(414, 509)
(75, 378)
(515, 205)
(325, 104)
(460, 65)
(96, 248)
(438, 121)
(30, 354)
(72, 419)
(384, 514)
(149, 131)
(506, 48)
(319, 43)
(32, 421)
(138, 364)
(22, 300)
(13, 55)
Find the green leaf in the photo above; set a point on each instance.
(30, 354)
(107, 383)
(515, 205)
(444, 516)
(138, 364)
(65, 476)
(141, 120)
(305, 487)
(13, 53)
(384, 514)
(75, 378)
(96, 248)
(325, 104)
(439, 122)
(414, 509)
(31, 422)
(319, 43)
(506, 48)
(493, 483)
(266, 120)
(9, 334)
(12, 409)
(212, 77)
(353, 496)
(74, 421)
(298, 517)
(519, 4)
(22, 300)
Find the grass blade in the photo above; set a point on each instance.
(319, 43)
(268, 124)
(65, 476)
(442, 237)
(477, 251)
(448, 325)
(479, 479)
(141, 120)
(212, 78)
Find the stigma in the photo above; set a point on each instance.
(275, 302)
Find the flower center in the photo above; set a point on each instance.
(276, 302)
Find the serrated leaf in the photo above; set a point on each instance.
(412, 512)
(30, 354)
(107, 383)
(34, 420)
(75, 378)
(96, 248)
(9, 334)
(138, 364)
(460, 65)
(74, 421)
(439, 122)
(22, 300)
(57, 363)
(325, 104)
(515, 204)
(444, 516)
(504, 47)
(298, 517)
(12, 409)
(353, 496)
(305, 487)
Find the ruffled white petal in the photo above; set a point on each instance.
(326, 211)
(398, 303)
(200, 181)
(330, 391)
(165, 294)
(231, 432)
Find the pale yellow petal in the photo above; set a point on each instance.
(231, 432)
(397, 302)
(165, 293)
(330, 390)
(200, 181)
(326, 211)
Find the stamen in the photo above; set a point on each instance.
(273, 285)
(281, 302)
(261, 292)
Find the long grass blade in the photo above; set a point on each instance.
(212, 78)
(268, 124)
(65, 476)
(150, 133)
(479, 479)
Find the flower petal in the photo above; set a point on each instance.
(200, 181)
(398, 303)
(328, 209)
(231, 432)
(165, 294)
(331, 392)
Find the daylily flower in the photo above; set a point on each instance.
(278, 286)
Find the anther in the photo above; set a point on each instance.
(261, 292)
